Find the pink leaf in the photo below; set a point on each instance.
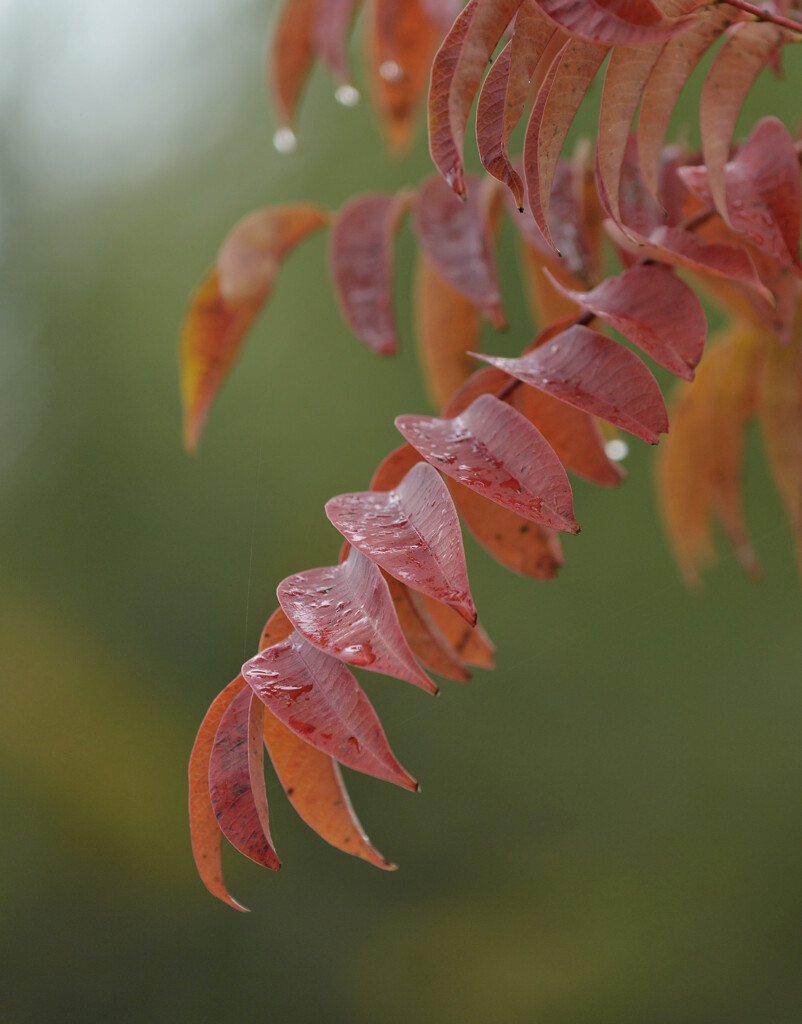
(347, 611)
(456, 238)
(237, 781)
(495, 451)
(361, 258)
(595, 374)
(319, 699)
(620, 22)
(655, 310)
(332, 24)
(412, 532)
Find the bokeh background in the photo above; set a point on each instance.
(608, 829)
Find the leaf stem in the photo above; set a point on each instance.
(761, 14)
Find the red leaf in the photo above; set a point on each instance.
(319, 699)
(402, 39)
(203, 826)
(558, 100)
(597, 375)
(361, 258)
(237, 780)
(412, 532)
(492, 449)
(228, 299)
(504, 93)
(680, 248)
(291, 55)
(333, 19)
(627, 22)
(456, 74)
(673, 69)
(347, 612)
(456, 238)
(762, 191)
(311, 779)
(424, 636)
(732, 74)
(655, 310)
(447, 327)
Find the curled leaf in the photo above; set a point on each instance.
(319, 699)
(346, 610)
(237, 780)
(227, 300)
(333, 20)
(361, 259)
(595, 374)
(492, 449)
(291, 55)
(204, 829)
(412, 532)
(619, 22)
(425, 638)
(471, 643)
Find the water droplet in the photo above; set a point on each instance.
(617, 450)
(347, 95)
(285, 141)
(391, 71)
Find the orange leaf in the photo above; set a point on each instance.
(699, 471)
(229, 297)
(291, 54)
(204, 829)
(448, 326)
(781, 421)
(471, 643)
(424, 636)
(402, 39)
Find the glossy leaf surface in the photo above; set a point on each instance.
(319, 699)
(346, 610)
(237, 780)
(595, 374)
(492, 449)
(412, 532)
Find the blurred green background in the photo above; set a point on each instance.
(608, 829)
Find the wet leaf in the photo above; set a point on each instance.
(735, 67)
(311, 779)
(492, 449)
(447, 327)
(204, 829)
(361, 259)
(237, 780)
(655, 310)
(319, 699)
(456, 237)
(227, 300)
(597, 375)
(402, 39)
(413, 533)
(346, 610)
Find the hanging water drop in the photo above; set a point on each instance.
(347, 95)
(285, 141)
(616, 450)
(391, 71)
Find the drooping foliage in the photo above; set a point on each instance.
(498, 454)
